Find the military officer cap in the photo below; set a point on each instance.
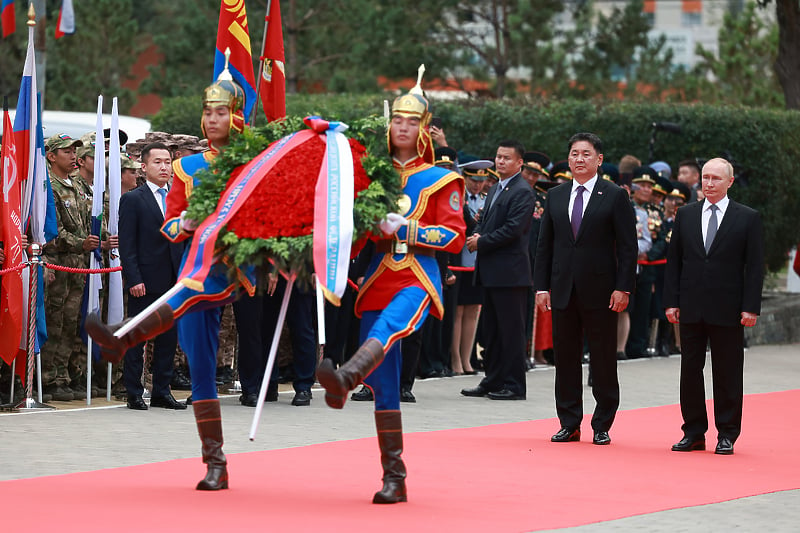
(536, 161)
(680, 190)
(545, 185)
(61, 140)
(561, 171)
(478, 170)
(610, 172)
(662, 169)
(444, 155)
(644, 174)
(123, 137)
(662, 186)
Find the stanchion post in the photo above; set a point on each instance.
(34, 261)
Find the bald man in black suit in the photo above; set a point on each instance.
(712, 288)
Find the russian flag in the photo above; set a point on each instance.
(8, 17)
(232, 33)
(66, 19)
(38, 206)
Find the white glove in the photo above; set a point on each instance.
(392, 223)
(188, 225)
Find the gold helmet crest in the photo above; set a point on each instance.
(226, 92)
(414, 104)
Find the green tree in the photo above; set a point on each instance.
(787, 62)
(95, 60)
(743, 70)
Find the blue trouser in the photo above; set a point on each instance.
(405, 314)
(198, 317)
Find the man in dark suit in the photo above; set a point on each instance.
(503, 268)
(712, 288)
(585, 271)
(150, 266)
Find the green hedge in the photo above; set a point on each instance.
(763, 144)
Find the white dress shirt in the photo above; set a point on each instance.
(154, 190)
(706, 215)
(589, 185)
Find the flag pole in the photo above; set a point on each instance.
(261, 66)
(28, 403)
(273, 350)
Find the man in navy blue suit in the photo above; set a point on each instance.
(150, 266)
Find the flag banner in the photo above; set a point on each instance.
(66, 19)
(115, 290)
(9, 18)
(273, 75)
(11, 308)
(333, 212)
(232, 33)
(91, 289)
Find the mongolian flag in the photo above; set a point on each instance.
(232, 33)
(273, 76)
(11, 308)
(66, 19)
(38, 206)
(9, 20)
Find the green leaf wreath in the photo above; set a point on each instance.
(294, 254)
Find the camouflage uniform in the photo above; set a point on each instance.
(63, 295)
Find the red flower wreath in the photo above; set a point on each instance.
(282, 205)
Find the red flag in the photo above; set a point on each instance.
(232, 33)
(273, 77)
(8, 17)
(66, 19)
(11, 315)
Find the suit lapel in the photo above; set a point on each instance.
(696, 225)
(727, 223)
(151, 202)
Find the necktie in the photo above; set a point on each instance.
(711, 232)
(163, 193)
(472, 197)
(577, 210)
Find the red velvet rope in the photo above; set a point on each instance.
(83, 270)
(13, 269)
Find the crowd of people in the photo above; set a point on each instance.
(498, 264)
(456, 343)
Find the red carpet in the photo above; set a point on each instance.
(497, 478)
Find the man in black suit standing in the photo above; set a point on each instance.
(502, 267)
(150, 266)
(585, 271)
(712, 288)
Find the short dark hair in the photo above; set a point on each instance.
(690, 163)
(516, 145)
(591, 138)
(153, 146)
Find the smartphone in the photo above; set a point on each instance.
(437, 121)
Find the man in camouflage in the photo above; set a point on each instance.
(70, 248)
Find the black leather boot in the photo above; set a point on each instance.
(209, 427)
(390, 440)
(114, 348)
(339, 382)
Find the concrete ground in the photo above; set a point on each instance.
(74, 439)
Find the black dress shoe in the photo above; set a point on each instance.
(249, 399)
(302, 398)
(687, 444)
(470, 372)
(566, 435)
(180, 381)
(136, 403)
(724, 446)
(601, 438)
(167, 402)
(407, 396)
(363, 395)
(478, 391)
(505, 394)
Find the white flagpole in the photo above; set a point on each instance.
(115, 292)
(273, 350)
(320, 311)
